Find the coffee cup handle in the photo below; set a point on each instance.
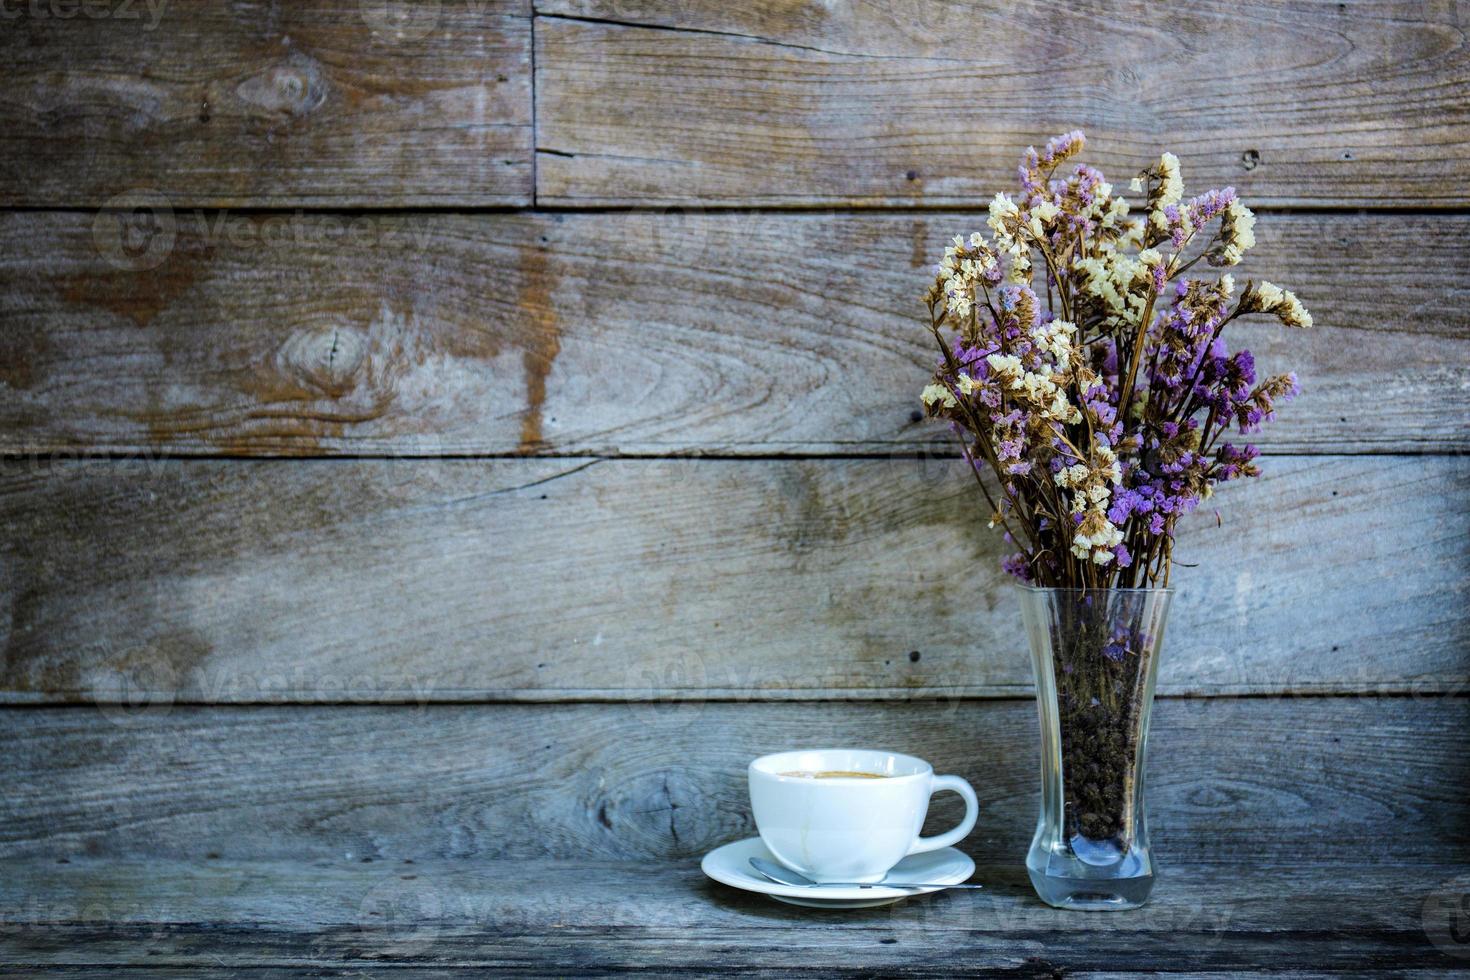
(972, 811)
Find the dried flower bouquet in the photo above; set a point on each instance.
(1101, 416)
(1101, 413)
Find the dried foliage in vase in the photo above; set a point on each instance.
(1102, 413)
(1101, 416)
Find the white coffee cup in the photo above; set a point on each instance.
(849, 828)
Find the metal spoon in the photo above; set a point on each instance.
(785, 876)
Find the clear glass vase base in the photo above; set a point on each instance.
(1092, 894)
(1078, 877)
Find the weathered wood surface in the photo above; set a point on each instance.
(625, 333)
(416, 580)
(437, 973)
(590, 918)
(930, 101)
(327, 102)
(1352, 782)
(705, 966)
(1296, 835)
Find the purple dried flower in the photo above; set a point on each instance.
(1237, 462)
(1017, 566)
(1059, 148)
(1209, 204)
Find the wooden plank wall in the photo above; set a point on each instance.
(369, 369)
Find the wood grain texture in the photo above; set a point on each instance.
(634, 579)
(326, 102)
(1349, 782)
(658, 333)
(168, 830)
(697, 959)
(929, 102)
(438, 918)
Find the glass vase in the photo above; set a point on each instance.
(1095, 654)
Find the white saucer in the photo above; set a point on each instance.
(730, 865)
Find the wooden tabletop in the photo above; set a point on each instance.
(1294, 835)
(576, 918)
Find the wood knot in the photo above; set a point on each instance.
(652, 814)
(295, 88)
(326, 359)
(1250, 159)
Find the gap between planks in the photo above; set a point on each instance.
(685, 205)
(24, 700)
(723, 454)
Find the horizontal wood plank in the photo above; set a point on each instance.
(435, 918)
(429, 580)
(658, 333)
(1349, 782)
(326, 102)
(929, 102)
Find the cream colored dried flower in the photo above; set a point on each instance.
(958, 297)
(939, 394)
(1237, 234)
(1119, 281)
(1265, 297)
(1096, 537)
(965, 265)
(1170, 191)
(1114, 214)
(1019, 273)
(1005, 219)
(1039, 393)
(1068, 475)
(1291, 312)
(1055, 338)
(1007, 369)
